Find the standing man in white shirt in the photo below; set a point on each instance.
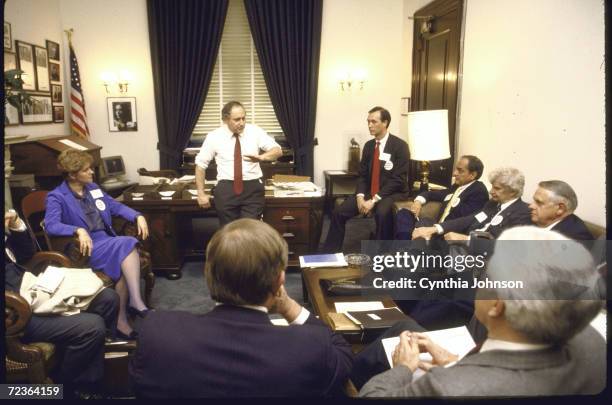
(235, 146)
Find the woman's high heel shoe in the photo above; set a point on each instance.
(132, 336)
(134, 312)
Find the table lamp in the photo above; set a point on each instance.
(428, 139)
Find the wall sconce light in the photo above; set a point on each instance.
(110, 79)
(348, 79)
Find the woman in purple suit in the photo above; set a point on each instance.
(79, 207)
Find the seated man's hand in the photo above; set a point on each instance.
(203, 200)
(367, 207)
(11, 220)
(85, 242)
(424, 232)
(143, 228)
(455, 236)
(360, 202)
(439, 355)
(415, 208)
(406, 353)
(285, 305)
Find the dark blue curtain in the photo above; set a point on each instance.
(185, 37)
(287, 36)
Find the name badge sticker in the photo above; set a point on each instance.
(497, 220)
(96, 193)
(100, 205)
(481, 216)
(448, 197)
(456, 202)
(385, 156)
(388, 165)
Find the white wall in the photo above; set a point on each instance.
(109, 35)
(533, 93)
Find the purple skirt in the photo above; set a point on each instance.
(109, 252)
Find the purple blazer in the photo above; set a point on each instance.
(64, 214)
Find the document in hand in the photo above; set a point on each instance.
(325, 260)
(456, 340)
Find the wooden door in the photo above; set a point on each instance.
(435, 56)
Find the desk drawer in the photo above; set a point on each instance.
(292, 223)
(295, 251)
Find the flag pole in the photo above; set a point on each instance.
(69, 33)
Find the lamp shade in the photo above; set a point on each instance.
(428, 135)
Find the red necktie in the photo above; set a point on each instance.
(375, 171)
(237, 166)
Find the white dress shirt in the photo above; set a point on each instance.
(219, 145)
(502, 208)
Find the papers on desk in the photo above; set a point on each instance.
(456, 340)
(335, 172)
(344, 307)
(600, 324)
(296, 189)
(73, 144)
(325, 260)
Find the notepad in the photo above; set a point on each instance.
(344, 307)
(325, 260)
(50, 280)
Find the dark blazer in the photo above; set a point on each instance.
(392, 181)
(236, 352)
(20, 244)
(573, 227)
(64, 215)
(515, 214)
(471, 199)
(578, 367)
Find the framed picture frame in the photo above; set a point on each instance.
(11, 115)
(10, 61)
(39, 112)
(25, 58)
(56, 93)
(55, 72)
(42, 68)
(54, 50)
(122, 114)
(8, 37)
(58, 113)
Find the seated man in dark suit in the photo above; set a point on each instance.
(504, 210)
(539, 339)
(79, 337)
(383, 179)
(553, 206)
(466, 197)
(234, 350)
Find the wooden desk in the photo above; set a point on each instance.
(297, 219)
(323, 304)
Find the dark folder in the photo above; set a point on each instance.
(378, 319)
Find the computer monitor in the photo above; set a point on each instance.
(113, 166)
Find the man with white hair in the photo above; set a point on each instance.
(539, 339)
(553, 206)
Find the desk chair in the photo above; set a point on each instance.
(29, 363)
(33, 210)
(34, 205)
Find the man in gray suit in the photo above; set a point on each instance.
(534, 347)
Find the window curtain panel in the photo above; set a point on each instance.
(287, 35)
(185, 37)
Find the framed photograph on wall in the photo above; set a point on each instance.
(56, 93)
(11, 115)
(58, 113)
(42, 69)
(122, 114)
(39, 112)
(10, 61)
(25, 57)
(8, 37)
(54, 50)
(55, 73)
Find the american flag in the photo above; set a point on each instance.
(78, 117)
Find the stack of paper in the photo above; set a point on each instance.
(50, 280)
(325, 260)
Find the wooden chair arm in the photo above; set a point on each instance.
(17, 313)
(42, 259)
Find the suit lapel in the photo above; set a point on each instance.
(72, 202)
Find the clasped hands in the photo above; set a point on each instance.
(364, 206)
(86, 243)
(411, 344)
